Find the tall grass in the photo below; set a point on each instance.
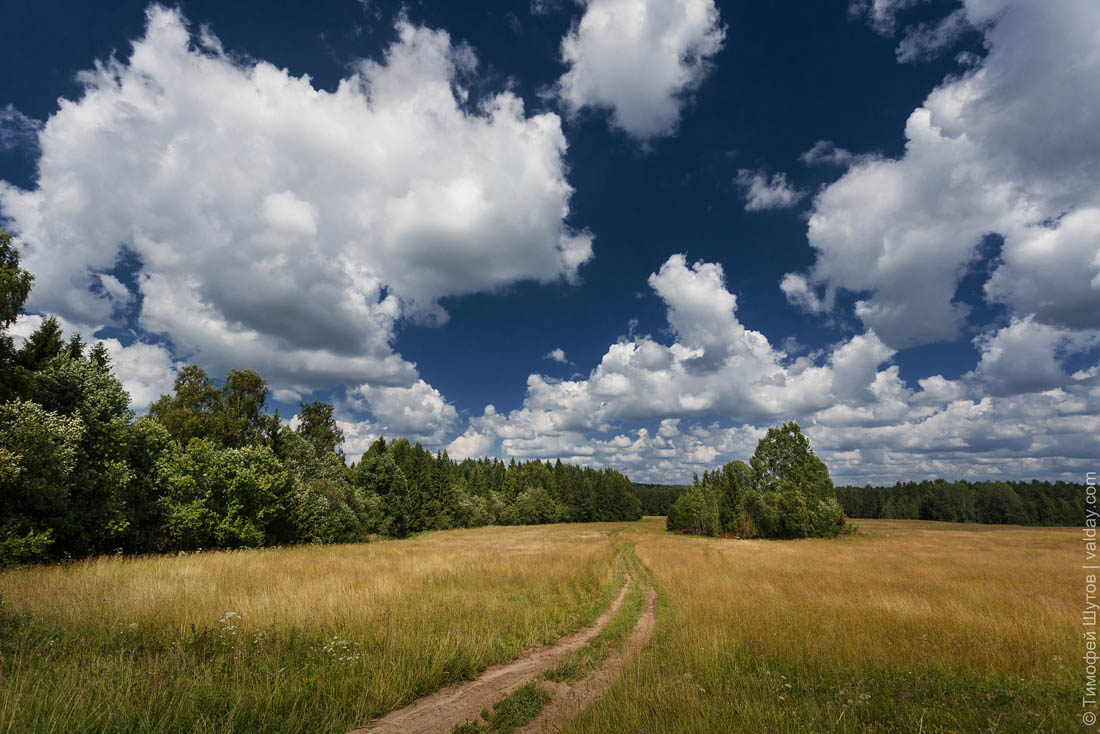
(285, 640)
(906, 626)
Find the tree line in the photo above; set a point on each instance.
(657, 499)
(994, 502)
(209, 466)
(783, 492)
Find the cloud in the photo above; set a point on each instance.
(802, 295)
(281, 226)
(639, 59)
(826, 152)
(1026, 356)
(880, 14)
(17, 131)
(901, 232)
(762, 193)
(419, 412)
(146, 370)
(925, 41)
(557, 355)
(660, 411)
(545, 7)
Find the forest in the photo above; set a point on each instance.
(209, 466)
(657, 499)
(1001, 503)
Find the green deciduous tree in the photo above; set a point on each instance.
(215, 497)
(39, 450)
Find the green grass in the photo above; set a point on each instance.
(521, 707)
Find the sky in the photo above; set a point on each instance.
(627, 233)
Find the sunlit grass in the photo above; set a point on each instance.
(318, 639)
(906, 626)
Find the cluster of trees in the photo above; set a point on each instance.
(210, 467)
(657, 499)
(784, 492)
(1015, 503)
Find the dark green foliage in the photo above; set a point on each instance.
(784, 461)
(1020, 503)
(657, 499)
(93, 518)
(38, 455)
(785, 493)
(316, 425)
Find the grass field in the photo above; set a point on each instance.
(905, 626)
(307, 639)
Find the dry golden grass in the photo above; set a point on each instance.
(904, 626)
(321, 637)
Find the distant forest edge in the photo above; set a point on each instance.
(993, 502)
(657, 499)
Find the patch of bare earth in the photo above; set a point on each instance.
(440, 711)
(569, 699)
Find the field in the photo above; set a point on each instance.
(905, 626)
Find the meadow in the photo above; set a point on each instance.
(903, 626)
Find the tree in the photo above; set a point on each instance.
(238, 414)
(379, 475)
(96, 518)
(316, 425)
(39, 450)
(44, 344)
(189, 412)
(784, 460)
(15, 283)
(785, 493)
(215, 497)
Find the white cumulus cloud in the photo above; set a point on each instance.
(902, 232)
(284, 227)
(639, 59)
(762, 192)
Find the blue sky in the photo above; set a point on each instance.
(640, 231)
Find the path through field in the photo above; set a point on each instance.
(440, 711)
(569, 699)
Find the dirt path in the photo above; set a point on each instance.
(440, 711)
(572, 698)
